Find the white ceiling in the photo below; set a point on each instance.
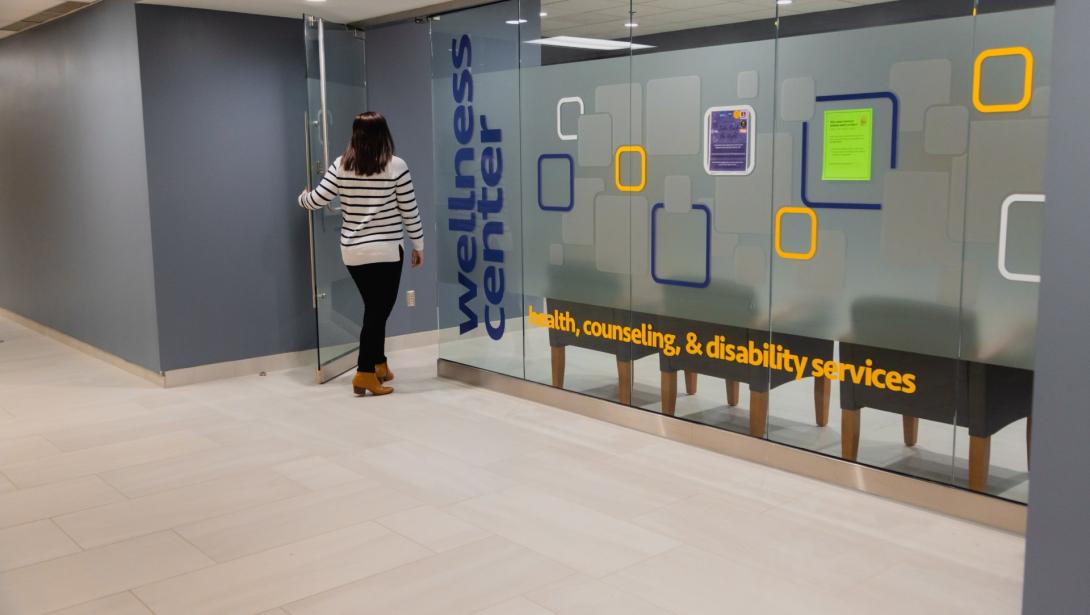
(594, 18)
(606, 18)
(343, 11)
(16, 10)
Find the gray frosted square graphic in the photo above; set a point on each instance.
(914, 211)
(556, 254)
(679, 193)
(577, 225)
(749, 84)
(1042, 100)
(751, 265)
(919, 85)
(621, 234)
(641, 236)
(624, 103)
(673, 116)
(797, 98)
(946, 131)
(681, 246)
(742, 202)
(823, 275)
(595, 140)
(1005, 157)
(555, 182)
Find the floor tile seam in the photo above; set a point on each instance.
(179, 528)
(195, 429)
(342, 586)
(230, 474)
(402, 535)
(83, 550)
(125, 467)
(136, 499)
(612, 518)
(214, 563)
(79, 548)
(516, 596)
(69, 512)
(754, 566)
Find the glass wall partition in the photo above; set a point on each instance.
(707, 78)
(863, 265)
(336, 93)
(999, 219)
(814, 224)
(475, 101)
(583, 217)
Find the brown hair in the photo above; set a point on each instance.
(371, 146)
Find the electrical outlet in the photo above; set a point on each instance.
(410, 298)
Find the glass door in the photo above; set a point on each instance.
(336, 93)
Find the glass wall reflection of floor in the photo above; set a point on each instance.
(791, 420)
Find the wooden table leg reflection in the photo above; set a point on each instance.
(558, 358)
(758, 413)
(669, 393)
(912, 429)
(980, 452)
(849, 433)
(624, 381)
(823, 389)
(733, 388)
(690, 383)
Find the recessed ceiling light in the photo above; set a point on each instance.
(784, 1)
(315, 1)
(515, 22)
(632, 24)
(578, 42)
(543, 14)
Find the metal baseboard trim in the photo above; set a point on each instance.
(945, 499)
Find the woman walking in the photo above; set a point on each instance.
(378, 207)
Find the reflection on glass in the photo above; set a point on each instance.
(336, 93)
(816, 226)
(475, 61)
(583, 219)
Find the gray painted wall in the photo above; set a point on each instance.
(224, 98)
(75, 237)
(1058, 538)
(399, 87)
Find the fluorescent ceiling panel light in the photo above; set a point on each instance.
(631, 24)
(578, 42)
(515, 22)
(543, 14)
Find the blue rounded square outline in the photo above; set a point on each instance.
(571, 182)
(707, 248)
(892, 155)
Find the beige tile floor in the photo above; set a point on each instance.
(273, 495)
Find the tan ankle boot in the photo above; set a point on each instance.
(365, 382)
(382, 370)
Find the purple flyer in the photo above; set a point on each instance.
(729, 150)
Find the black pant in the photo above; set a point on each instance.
(378, 285)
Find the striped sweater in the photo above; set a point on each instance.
(376, 210)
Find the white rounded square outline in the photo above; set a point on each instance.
(560, 103)
(1003, 228)
(752, 141)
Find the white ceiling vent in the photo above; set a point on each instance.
(54, 12)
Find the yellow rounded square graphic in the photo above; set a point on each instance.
(798, 256)
(1027, 88)
(636, 149)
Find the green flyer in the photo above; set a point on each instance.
(849, 140)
